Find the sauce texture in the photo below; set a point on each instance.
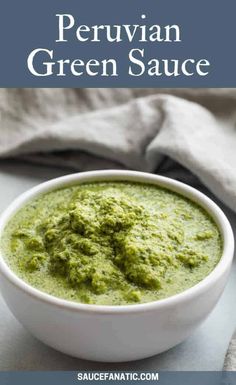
(112, 243)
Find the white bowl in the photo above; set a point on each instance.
(116, 333)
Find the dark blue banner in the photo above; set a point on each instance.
(72, 378)
(107, 43)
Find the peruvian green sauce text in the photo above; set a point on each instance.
(112, 243)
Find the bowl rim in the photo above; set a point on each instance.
(123, 175)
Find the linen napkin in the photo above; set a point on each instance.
(125, 128)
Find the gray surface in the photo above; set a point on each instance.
(205, 350)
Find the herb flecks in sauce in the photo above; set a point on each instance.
(112, 243)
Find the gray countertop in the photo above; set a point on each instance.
(205, 350)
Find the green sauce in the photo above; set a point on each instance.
(112, 243)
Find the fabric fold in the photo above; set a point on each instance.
(127, 128)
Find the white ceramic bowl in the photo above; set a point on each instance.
(116, 333)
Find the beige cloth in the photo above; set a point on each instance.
(131, 128)
(230, 358)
